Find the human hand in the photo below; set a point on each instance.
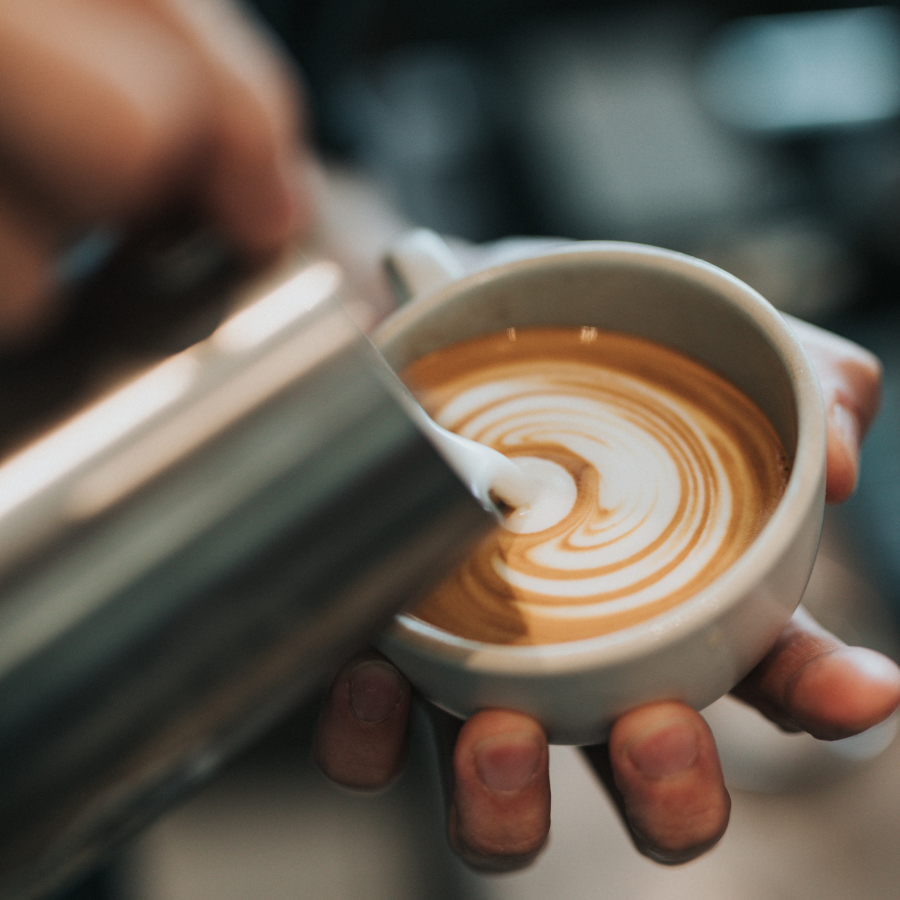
(660, 765)
(114, 110)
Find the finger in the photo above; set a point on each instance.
(120, 109)
(259, 175)
(99, 110)
(850, 378)
(662, 771)
(811, 681)
(360, 739)
(499, 814)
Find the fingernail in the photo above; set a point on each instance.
(847, 427)
(375, 691)
(870, 664)
(509, 761)
(665, 750)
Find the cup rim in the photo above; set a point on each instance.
(802, 494)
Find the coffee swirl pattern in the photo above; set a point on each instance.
(656, 475)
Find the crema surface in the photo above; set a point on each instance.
(655, 473)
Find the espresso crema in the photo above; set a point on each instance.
(656, 474)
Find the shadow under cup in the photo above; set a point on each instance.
(701, 648)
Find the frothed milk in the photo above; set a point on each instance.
(656, 475)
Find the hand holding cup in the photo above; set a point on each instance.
(659, 763)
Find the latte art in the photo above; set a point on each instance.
(656, 474)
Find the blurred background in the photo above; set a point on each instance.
(762, 137)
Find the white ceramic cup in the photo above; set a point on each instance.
(699, 650)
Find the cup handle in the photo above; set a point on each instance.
(421, 261)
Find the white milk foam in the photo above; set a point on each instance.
(651, 483)
(642, 502)
(555, 495)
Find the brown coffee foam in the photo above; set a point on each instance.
(477, 602)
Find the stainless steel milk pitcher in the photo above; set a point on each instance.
(189, 556)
